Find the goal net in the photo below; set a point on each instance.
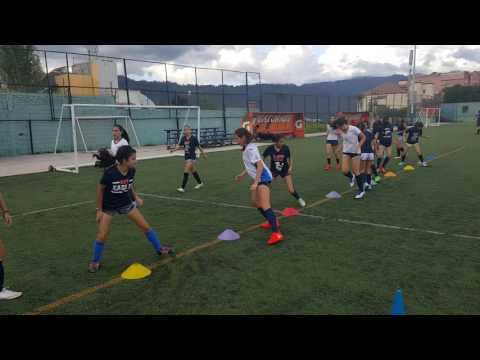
(84, 128)
(430, 116)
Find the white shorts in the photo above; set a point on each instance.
(367, 156)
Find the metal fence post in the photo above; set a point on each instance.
(223, 105)
(261, 91)
(196, 88)
(316, 108)
(126, 87)
(246, 87)
(291, 102)
(68, 79)
(50, 99)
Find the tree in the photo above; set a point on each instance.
(20, 67)
(460, 93)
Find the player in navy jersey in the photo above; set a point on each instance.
(413, 134)
(477, 116)
(116, 195)
(260, 188)
(384, 135)
(189, 143)
(399, 138)
(353, 140)
(281, 164)
(376, 127)
(5, 294)
(367, 156)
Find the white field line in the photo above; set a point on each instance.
(353, 222)
(34, 212)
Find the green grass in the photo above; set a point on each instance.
(322, 267)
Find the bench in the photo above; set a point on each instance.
(209, 137)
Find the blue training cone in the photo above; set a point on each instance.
(333, 195)
(398, 307)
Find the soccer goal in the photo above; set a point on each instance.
(430, 116)
(84, 128)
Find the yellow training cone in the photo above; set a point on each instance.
(390, 174)
(408, 168)
(136, 271)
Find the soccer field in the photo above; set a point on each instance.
(418, 231)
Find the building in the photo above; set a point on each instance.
(393, 95)
(441, 81)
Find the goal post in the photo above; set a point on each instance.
(87, 127)
(430, 116)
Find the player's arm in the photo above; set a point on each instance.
(241, 175)
(202, 153)
(7, 218)
(138, 200)
(100, 194)
(363, 138)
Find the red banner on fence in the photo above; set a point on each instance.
(268, 123)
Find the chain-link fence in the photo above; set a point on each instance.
(35, 83)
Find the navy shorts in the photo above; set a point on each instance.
(352, 155)
(386, 143)
(332, 142)
(265, 183)
(282, 174)
(124, 210)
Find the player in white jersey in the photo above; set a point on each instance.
(262, 178)
(332, 147)
(353, 140)
(120, 138)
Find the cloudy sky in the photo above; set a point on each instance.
(296, 64)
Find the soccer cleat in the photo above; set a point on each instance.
(327, 167)
(401, 163)
(302, 202)
(377, 179)
(166, 250)
(367, 187)
(7, 294)
(93, 267)
(266, 225)
(275, 238)
(381, 170)
(181, 190)
(360, 195)
(424, 164)
(372, 182)
(338, 167)
(397, 157)
(199, 186)
(352, 182)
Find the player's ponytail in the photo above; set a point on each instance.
(123, 133)
(104, 157)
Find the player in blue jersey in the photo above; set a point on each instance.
(367, 156)
(116, 196)
(281, 164)
(190, 143)
(5, 294)
(262, 178)
(413, 134)
(399, 143)
(384, 135)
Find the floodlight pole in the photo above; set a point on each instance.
(411, 87)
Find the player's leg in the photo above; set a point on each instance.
(263, 199)
(196, 176)
(5, 294)
(405, 153)
(418, 150)
(137, 217)
(388, 156)
(291, 189)
(186, 172)
(346, 169)
(329, 152)
(99, 243)
(358, 176)
(338, 155)
(368, 173)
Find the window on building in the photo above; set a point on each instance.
(465, 109)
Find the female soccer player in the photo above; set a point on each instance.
(262, 178)
(332, 147)
(115, 195)
(120, 138)
(413, 134)
(5, 294)
(384, 135)
(281, 164)
(399, 139)
(190, 143)
(353, 140)
(367, 156)
(478, 122)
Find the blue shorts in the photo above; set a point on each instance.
(386, 143)
(265, 183)
(332, 142)
(124, 210)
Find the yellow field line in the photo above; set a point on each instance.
(88, 291)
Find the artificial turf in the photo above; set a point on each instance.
(323, 267)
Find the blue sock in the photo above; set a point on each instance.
(272, 219)
(262, 212)
(98, 250)
(153, 238)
